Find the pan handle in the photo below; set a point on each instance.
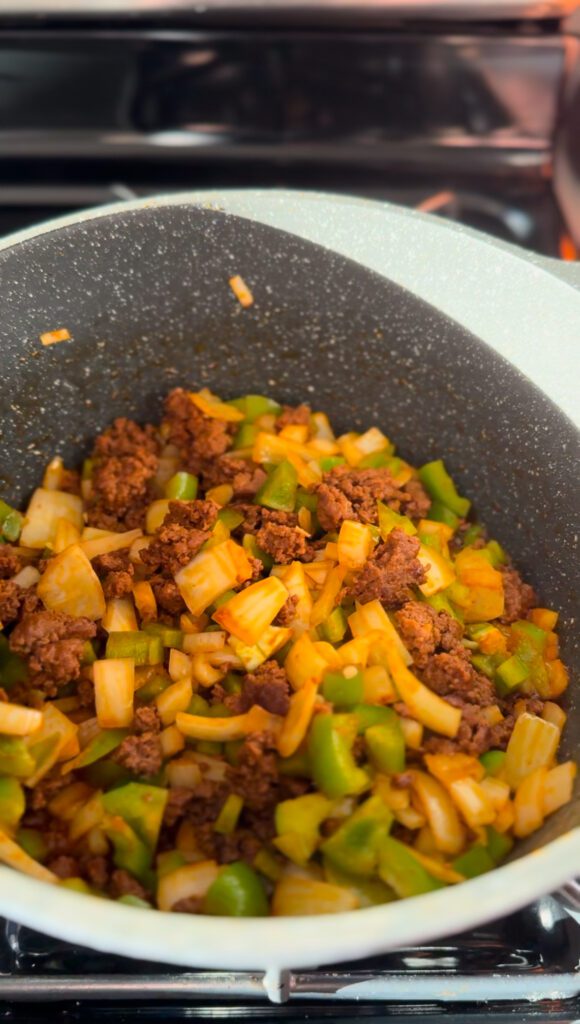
(569, 897)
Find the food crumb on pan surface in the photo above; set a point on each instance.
(249, 667)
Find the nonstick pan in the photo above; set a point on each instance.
(375, 314)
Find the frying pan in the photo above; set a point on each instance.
(376, 315)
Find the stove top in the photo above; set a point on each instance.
(525, 968)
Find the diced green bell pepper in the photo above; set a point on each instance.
(129, 851)
(12, 802)
(15, 757)
(245, 436)
(230, 517)
(279, 489)
(141, 806)
(236, 892)
(297, 824)
(371, 892)
(102, 744)
(253, 406)
(232, 751)
(499, 844)
(209, 747)
(486, 663)
(335, 626)
(182, 487)
(493, 761)
(355, 846)
(32, 842)
(341, 690)
(228, 817)
(390, 520)
(198, 705)
(152, 688)
(169, 861)
(530, 642)
(473, 862)
(440, 486)
(441, 603)
(403, 872)
(77, 885)
(304, 499)
(377, 460)
(497, 555)
(251, 546)
(144, 648)
(367, 715)
(386, 745)
(334, 769)
(439, 513)
(10, 522)
(511, 673)
(328, 462)
(105, 774)
(130, 900)
(169, 637)
(472, 534)
(297, 765)
(13, 668)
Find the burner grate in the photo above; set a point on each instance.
(530, 960)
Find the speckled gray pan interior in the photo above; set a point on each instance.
(145, 296)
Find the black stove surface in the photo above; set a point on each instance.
(525, 968)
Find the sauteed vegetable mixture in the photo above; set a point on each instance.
(250, 667)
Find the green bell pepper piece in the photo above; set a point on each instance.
(367, 715)
(198, 705)
(474, 862)
(15, 757)
(334, 769)
(253, 406)
(335, 627)
(403, 872)
(129, 851)
(105, 774)
(377, 460)
(232, 751)
(499, 844)
(141, 806)
(236, 892)
(251, 546)
(439, 513)
(511, 673)
(328, 462)
(386, 745)
(209, 747)
(182, 487)
(245, 436)
(304, 499)
(343, 691)
(129, 900)
(144, 648)
(440, 486)
(486, 663)
(227, 818)
(527, 634)
(279, 489)
(496, 553)
(12, 526)
(355, 846)
(389, 520)
(297, 824)
(13, 668)
(169, 637)
(296, 766)
(102, 744)
(168, 862)
(493, 761)
(152, 688)
(230, 517)
(32, 842)
(371, 892)
(77, 885)
(442, 604)
(12, 802)
(472, 534)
